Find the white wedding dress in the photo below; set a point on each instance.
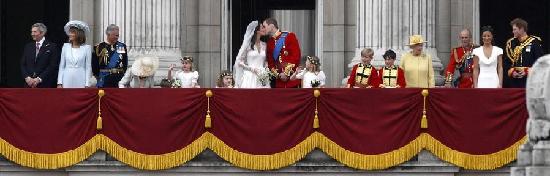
(250, 63)
(488, 75)
(255, 64)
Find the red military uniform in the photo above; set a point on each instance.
(288, 60)
(392, 77)
(364, 76)
(462, 60)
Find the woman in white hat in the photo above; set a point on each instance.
(75, 65)
(142, 73)
(417, 65)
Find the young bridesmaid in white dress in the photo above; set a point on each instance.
(487, 62)
(311, 76)
(187, 77)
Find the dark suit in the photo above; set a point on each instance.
(45, 65)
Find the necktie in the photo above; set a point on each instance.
(37, 48)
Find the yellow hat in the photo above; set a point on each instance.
(416, 39)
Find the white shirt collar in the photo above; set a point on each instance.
(41, 42)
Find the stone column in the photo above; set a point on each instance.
(209, 42)
(383, 25)
(147, 27)
(444, 40)
(534, 156)
(85, 10)
(338, 38)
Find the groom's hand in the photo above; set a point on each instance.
(283, 77)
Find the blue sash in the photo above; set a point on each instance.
(112, 64)
(278, 47)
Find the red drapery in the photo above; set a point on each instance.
(261, 129)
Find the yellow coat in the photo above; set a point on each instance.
(419, 71)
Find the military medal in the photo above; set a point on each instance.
(120, 49)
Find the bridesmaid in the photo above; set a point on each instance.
(487, 62)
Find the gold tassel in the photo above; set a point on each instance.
(316, 121)
(316, 94)
(99, 123)
(424, 122)
(208, 121)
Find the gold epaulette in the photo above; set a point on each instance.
(96, 49)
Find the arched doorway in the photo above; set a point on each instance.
(245, 11)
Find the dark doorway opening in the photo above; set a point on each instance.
(16, 19)
(499, 13)
(245, 11)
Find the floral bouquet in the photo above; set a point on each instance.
(265, 76)
(315, 83)
(176, 83)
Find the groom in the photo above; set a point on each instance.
(283, 54)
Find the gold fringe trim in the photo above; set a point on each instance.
(473, 162)
(154, 162)
(49, 161)
(263, 162)
(371, 162)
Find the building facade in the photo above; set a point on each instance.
(333, 30)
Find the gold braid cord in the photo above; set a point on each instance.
(515, 53)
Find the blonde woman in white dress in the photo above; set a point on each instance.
(75, 65)
(487, 62)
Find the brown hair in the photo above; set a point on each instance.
(80, 37)
(272, 21)
(520, 23)
(315, 61)
(224, 74)
(188, 59)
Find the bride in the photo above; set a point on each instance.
(250, 65)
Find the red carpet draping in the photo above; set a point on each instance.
(261, 129)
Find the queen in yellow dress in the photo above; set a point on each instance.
(417, 65)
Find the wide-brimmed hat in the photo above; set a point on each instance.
(76, 24)
(145, 66)
(416, 39)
